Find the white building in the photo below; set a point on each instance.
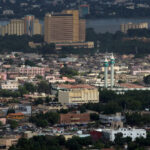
(9, 85)
(126, 132)
(108, 119)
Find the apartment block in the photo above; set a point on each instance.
(28, 25)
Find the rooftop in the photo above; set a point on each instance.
(129, 85)
(69, 86)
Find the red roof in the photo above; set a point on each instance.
(129, 85)
(69, 86)
(16, 114)
(84, 5)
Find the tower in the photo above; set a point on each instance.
(29, 24)
(112, 62)
(64, 27)
(106, 73)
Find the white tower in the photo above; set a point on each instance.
(112, 62)
(106, 73)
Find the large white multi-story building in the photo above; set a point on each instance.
(77, 94)
(126, 132)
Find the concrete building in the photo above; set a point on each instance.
(108, 119)
(125, 27)
(77, 94)
(126, 132)
(73, 118)
(64, 27)
(31, 71)
(25, 109)
(28, 25)
(32, 25)
(15, 27)
(84, 10)
(89, 44)
(17, 116)
(37, 27)
(9, 85)
(7, 142)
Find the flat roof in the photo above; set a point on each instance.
(130, 85)
(69, 86)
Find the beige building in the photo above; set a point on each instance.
(7, 142)
(77, 94)
(15, 27)
(37, 27)
(125, 27)
(21, 27)
(64, 27)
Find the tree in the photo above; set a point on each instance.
(119, 139)
(38, 101)
(42, 120)
(68, 72)
(94, 117)
(29, 87)
(112, 107)
(29, 63)
(72, 144)
(147, 79)
(10, 110)
(48, 99)
(1, 124)
(107, 95)
(44, 87)
(13, 124)
(82, 109)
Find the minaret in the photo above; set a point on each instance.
(112, 62)
(106, 73)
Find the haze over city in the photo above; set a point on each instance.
(74, 75)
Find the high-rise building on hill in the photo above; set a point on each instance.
(64, 27)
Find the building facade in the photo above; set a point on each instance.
(15, 27)
(73, 118)
(9, 85)
(126, 132)
(32, 25)
(64, 27)
(78, 94)
(31, 71)
(28, 25)
(125, 27)
(108, 119)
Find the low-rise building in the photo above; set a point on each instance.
(9, 85)
(108, 119)
(31, 71)
(126, 132)
(74, 118)
(17, 116)
(7, 142)
(125, 27)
